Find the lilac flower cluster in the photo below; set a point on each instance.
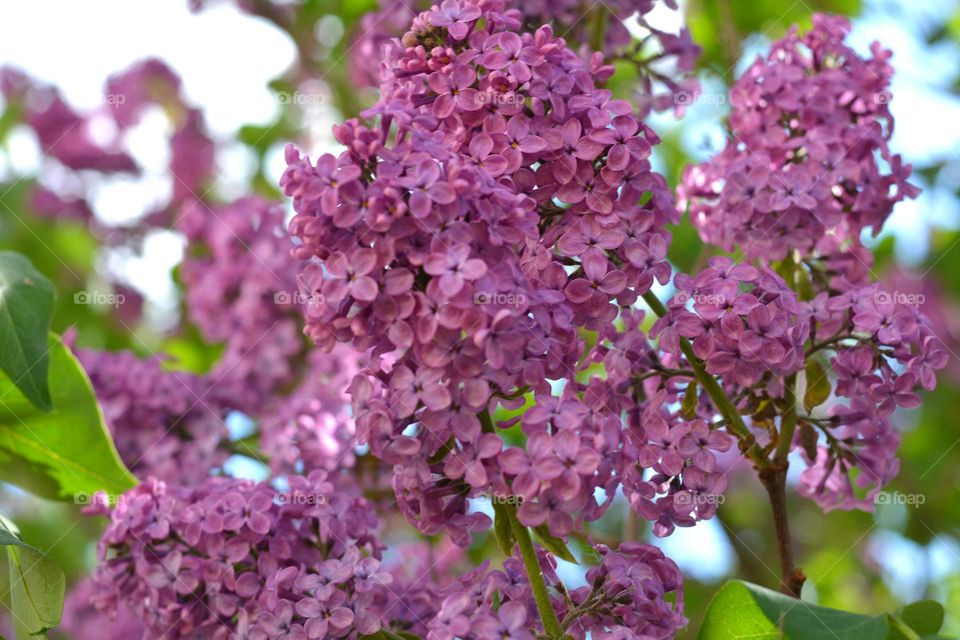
(663, 60)
(235, 559)
(636, 593)
(881, 350)
(628, 596)
(240, 286)
(744, 323)
(232, 558)
(312, 428)
(83, 621)
(498, 221)
(150, 82)
(63, 134)
(162, 422)
(808, 166)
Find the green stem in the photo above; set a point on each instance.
(789, 422)
(599, 27)
(907, 632)
(735, 423)
(551, 624)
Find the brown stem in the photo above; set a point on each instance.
(774, 479)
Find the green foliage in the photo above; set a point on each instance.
(818, 385)
(719, 26)
(553, 544)
(37, 587)
(66, 453)
(26, 307)
(506, 540)
(742, 610)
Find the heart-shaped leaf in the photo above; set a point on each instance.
(741, 610)
(65, 454)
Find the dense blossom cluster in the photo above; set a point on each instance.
(636, 593)
(808, 166)
(628, 595)
(743, 322)
(163, 422)
(241, 291)
(882, 350)
(232, 558)
(663, 60)
(312, 428)
(501, 219)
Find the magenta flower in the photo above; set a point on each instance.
(453, 90)
(349, 276)
(454, 268)
(247, 511)
(455, 15)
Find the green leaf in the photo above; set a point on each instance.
(924, 617)
(26, 307)
(688, 406)
(818, 385)
(808, 439)
(740, 610)
(506, 539)
(37, 587)
(65, 454)
(553, 544)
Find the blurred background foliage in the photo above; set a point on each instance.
(855, 561)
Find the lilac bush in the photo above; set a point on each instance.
(471, 305)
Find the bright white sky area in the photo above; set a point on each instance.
(225, 59)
